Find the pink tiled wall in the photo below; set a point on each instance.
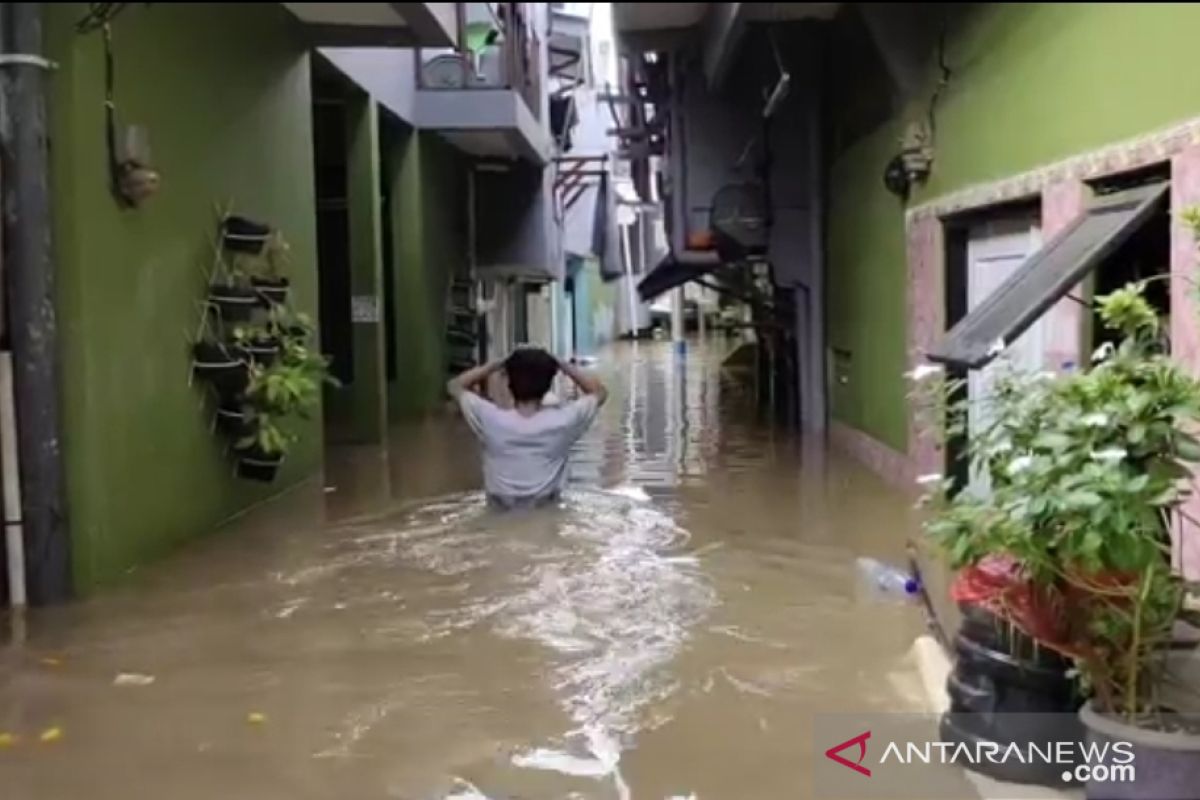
(1062, 203)
(926, 322)
(1185, 329)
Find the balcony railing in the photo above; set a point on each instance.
(500, 50)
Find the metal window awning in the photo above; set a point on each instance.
(676, 269)
(1047, 277)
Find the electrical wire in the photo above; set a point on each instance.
(98, 16)
(944, 74)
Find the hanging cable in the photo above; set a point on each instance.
(99, 15)
(110, 117)
(944, 74)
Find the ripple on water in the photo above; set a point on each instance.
(602, 583)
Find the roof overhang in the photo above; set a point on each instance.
(378, 24)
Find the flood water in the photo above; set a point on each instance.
(668, 632)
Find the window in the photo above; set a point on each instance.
(1048, 276)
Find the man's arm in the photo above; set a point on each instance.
(588, 384)
(475, 375)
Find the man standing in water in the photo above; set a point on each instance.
(525, 447)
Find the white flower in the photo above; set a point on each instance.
(923, 371)
(1111, 454)
(931, 478)
(997, 347)
(1020, 464)
(1095, 420)
(1102, 352)
(1000, 448)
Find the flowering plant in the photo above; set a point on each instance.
(1085, 474)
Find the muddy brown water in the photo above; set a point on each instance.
(668, 632)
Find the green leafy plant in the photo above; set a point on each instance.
(268, 438)
(1085, 474)
(288, 388)
(276, 257)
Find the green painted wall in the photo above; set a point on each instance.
(224, 94)
(367, 397)
(429, 209)
(1032, 83)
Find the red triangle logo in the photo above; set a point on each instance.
(861, 741)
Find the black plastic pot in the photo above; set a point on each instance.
(272, 291)
(242, 235)
(1166, 763)
(255, 465)
(233, 303)
(263, 351)
(233, 421)
(224, 368)
(1005, 690)
(961, 728)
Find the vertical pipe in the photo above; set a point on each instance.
(32, 324)
(10, 469)
(630, 289)
(677, 304)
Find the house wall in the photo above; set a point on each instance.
(430, 241)
(224, 93)
(1031, 85)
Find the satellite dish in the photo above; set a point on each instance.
(738, 220)
(444, 72)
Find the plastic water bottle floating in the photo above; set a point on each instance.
(888, 582)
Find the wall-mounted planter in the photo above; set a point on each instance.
(272, 291)
(241, 235)
(255, 465)
(225, 368)
(263, 350)
(233, 421)
(233, 303)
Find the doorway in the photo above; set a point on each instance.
(996, 249)
(333, 234)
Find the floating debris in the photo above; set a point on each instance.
(256, 718)
(51, 735)
(133, 679)
(7, 739)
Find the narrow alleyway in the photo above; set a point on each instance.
(668, 632)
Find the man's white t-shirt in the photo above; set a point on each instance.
(525, 457)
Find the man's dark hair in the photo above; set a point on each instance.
(530, 371)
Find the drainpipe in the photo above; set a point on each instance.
(29, 294)
(10, 470)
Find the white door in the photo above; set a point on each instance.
(995, 250)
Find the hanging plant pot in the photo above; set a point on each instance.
(271, 291)
(255, 465)
(233, 421)
(263, 350)
(224, 368)
(233, 303)
(241, 235)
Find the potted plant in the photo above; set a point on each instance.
(1086, 474)
(234, 419)
(261, 452)
(242, 235)
(260, 343)
(223, 367)
(285, 388)
(271, 283)
(230, 293)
